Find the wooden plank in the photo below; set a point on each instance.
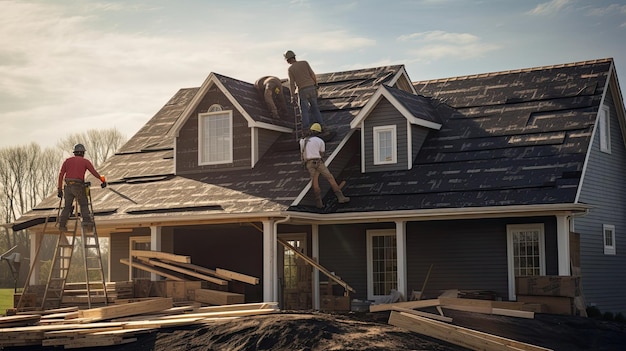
(407, 304)
(188, 272)
(164, 323)
(423, 314)
(239, 307)
(128, 309)
(224, 314)
(513, 313)
(200, 269)
(160, 255)
(237, 276)
(310, 261)
(150, 269)
(471, 339)
(215, 297)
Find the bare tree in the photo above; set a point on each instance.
(100, 144)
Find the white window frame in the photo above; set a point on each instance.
(513, 229)
(224, 146)
(377, 131)
(605, 129)
(370, 260)
(609, 245)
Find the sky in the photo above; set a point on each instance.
(68, 66)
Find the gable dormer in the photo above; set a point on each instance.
(394, 124)
(224, 127)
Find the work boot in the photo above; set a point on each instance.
(318, 200)
(342, 199)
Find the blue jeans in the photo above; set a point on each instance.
(308, 107)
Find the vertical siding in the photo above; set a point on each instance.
(465, 254)
(418, 135)
(119, 248)
(187, 141)
(604, 276)
(385, 114)
(232, 247)
(265, 140)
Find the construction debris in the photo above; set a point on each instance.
(115, 324)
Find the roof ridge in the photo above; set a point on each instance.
(519, 70)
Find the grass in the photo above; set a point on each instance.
(6, 300)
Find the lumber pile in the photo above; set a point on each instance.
(406, 315)
(116, 324)
(178, 270)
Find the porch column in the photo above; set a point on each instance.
(269, 262)
(155, 245)
(315, 252)
(34, 239)
(401, 257)
(562, 239)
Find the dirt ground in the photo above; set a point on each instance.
(370, 331)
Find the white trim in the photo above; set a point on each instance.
(510, 229)
(254, 152)
(373, 101)
(315, 254)
(605, 129)
(409, 145)
(401, 258)
(362, 149)
(562, 241)
(608, 249)
(370, 269)
(155, 245)
(376, 132)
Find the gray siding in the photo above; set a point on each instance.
(265, 139)
(187, 141)
(465, 254)
(385, 114)
(418, 135)
(604, 276)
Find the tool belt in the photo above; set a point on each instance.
(74, 182)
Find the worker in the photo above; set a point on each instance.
(312, 149)
(73, 174)
(302, 77)
(271, 88)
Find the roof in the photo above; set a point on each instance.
(507, 139)
(142, 183)
(515, 138)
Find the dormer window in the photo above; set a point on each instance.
(215, 136)
(385, 145)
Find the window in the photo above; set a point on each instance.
(382, 262)
(608, 234)
(526, 252)
(215, 137)
(215, 108)
(385, 145)
(605, 130)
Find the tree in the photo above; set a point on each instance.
(100, 144)
(28, 174)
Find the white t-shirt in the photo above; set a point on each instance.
(315, 147)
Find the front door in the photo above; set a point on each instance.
(295, 275)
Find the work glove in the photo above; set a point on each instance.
(103, 185)
(60, 194)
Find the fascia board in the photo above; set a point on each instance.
(367, 109)
(402, 72)
(273, 127)
(208, 82)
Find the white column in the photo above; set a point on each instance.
(155, 245)
(562, 239)
(401, 253)
(269, 262)
(34, 239)
(315, 252)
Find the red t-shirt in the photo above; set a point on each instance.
(75, 168)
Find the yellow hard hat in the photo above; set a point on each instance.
(316, 127)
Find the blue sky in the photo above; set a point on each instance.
(67, 66)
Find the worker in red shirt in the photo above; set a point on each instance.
(73, 174)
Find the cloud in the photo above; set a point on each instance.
(608, 10)
(435, 45)
(549, 8)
